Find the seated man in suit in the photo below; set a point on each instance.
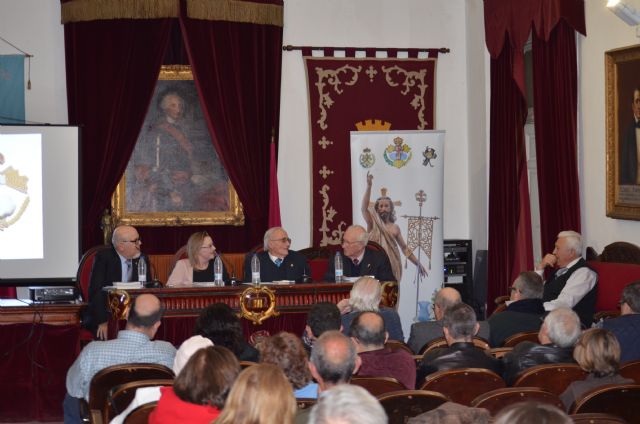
(277, 261)
(523, 312)
(626, 328)
(573, 284)
(133, 345)
(459, 326)
(358, 259)
(558, 334)
(426, 331)
(368, 333)
(119, 263)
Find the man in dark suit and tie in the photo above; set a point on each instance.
(358, 259)
(119, 263)
(277, 261)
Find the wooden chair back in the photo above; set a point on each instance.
(397, 344)
(116, 375)
(180, 254)
(442, 342)
(512, 341)
(499, 352)
(595, 418)
(140, 415)
(83, 275)
(631, 370)
(496, 400)
(306, 403)
(464, 384)
(405, 404)
(552, 377)
(378, 385)
(121, 396)
(247, 364)
(621, 400)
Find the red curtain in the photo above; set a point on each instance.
(555, 101)
(507, 165)
(112, 68)
(236, 67)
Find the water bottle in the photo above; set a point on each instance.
(217, 271)
(337, 262)
(142, 270)
(255, 270)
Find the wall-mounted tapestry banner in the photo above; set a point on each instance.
(358, 94)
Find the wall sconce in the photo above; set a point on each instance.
(625, 12)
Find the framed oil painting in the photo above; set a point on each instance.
(174, 176)
(623, 132)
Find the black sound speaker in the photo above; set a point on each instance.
(480, 283)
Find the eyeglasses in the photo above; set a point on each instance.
(283, 240)
(135, 241)
(209, 246)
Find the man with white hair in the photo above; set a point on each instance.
(558, 334)
(358, 259)
(573, 284)
(277, 261)
(347, 404)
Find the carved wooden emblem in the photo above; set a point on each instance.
(119, 303)
(258, 304)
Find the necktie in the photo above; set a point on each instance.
(561, 272)
(356, 262)
(278, 262)
(129, 270)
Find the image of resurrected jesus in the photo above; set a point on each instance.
(380, 218)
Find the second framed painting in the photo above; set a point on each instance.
(174, 176)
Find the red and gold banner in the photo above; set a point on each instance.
(352, 94)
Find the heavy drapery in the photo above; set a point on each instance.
(114, 52)
(507, 27)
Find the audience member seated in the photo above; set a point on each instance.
(322, 316)
(199, 391)
(277, 261)
(286, 351)
(626, 328)
(532, 413)
(598, 353)
(426, 331)
(557, 335)
(261, 395)
(365, 296)
(152, 394)
(367, 332)
(459, 327)
(198, 267)
(452, 413)
(347, 404)
(333, 361)
(117, 264)
(222, 326)
(358, 260)
(523, 312)
(573, 284)
(133, 345)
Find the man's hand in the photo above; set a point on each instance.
(422, 270)
(103, 328)
(344, 306)
(548, 260)
(369, 179)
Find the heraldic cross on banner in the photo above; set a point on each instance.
(420, 230)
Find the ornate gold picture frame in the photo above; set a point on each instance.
(174, 176)
(623, 110)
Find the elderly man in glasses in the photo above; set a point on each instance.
(277, 261)
(119, 263)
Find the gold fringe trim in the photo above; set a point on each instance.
(94, 10)
(235, 11)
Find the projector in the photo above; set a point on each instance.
(52, 294)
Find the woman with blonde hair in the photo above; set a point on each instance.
(597, 351)
(365, 297)
(198, 266)
(261, 395)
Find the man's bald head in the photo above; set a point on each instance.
(368, 330)
(445, 298)
(333, 358)
(145, 313)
